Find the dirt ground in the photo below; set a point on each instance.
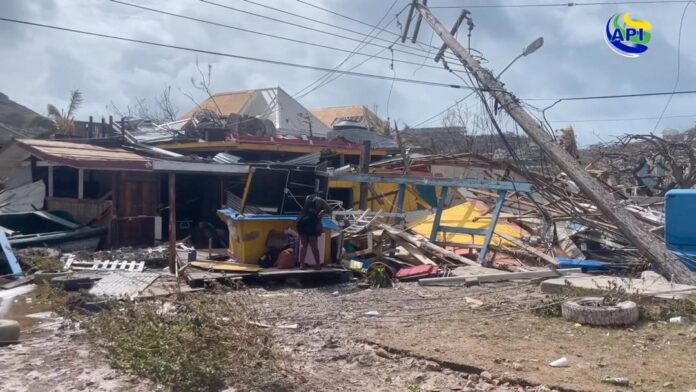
(410, 338)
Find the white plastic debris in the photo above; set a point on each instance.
(372, 313)
(679, 320)
(560, 362)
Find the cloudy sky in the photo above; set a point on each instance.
(41, 66)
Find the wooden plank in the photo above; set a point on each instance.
(488, 278)
(547, 258)
(422, 243)
(417, 254)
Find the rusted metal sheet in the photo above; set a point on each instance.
(86, 156)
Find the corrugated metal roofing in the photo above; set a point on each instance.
(226, 158)
(357, 136)
(311, 159)
(82, 155)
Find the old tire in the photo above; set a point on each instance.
(591, 311)
(9, 332)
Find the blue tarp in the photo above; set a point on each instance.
(589, 265)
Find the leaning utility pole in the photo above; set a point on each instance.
(650, 246)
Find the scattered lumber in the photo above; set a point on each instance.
(501, 277)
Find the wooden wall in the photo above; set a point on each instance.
(137, 197)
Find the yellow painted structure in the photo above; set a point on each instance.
(248, 234)
(470, 215)
(384, 197)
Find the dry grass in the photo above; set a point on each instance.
(200, 342)
(38, 259)
(194, 343)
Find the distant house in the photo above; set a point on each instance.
(358, 115)
(274, 104)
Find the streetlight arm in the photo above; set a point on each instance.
(509, 64)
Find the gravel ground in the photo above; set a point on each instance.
(410, 338)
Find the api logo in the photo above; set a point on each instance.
(628, 37)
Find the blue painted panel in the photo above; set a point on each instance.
(680, 218)
(234, 215)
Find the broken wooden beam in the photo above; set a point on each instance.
(489, 278)
(421, 242)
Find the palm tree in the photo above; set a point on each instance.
(63, 119)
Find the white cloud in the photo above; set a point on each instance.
(42, 66)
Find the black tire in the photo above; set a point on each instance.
(591, 311)
(9, 332)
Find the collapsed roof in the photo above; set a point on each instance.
(274, 104)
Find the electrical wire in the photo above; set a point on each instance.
(391, 88)
(443, 111)
(676, 81)
(339, 75)
(310, 28)
(432, 36)
(230, 55)
(615, 96)
(356, 20)
(566, 4)
(622, 119)
(327, 76)
(558, 100)
(353, 52)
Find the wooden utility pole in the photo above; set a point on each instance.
(172, 223)
(364, 168)
(636, 232)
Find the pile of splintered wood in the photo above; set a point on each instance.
(368, 235)
(561, 221)
(570, 225)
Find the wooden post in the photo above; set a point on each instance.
(90, 127)
(364, 168)
(80, 183)
(111, 126)
(172, 223)
(123, 126)
(635, 231)
(103, 127)
(50, 181)
(112, 233)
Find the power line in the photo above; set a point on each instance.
(583, 98)
(339, 75)
(443, 111)
(676, 81)
(622, 119)
(324, 79)
(240, 57)
(420, 55)
(264, 34)
(565, 5)
(619, 96)
(351, 19)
